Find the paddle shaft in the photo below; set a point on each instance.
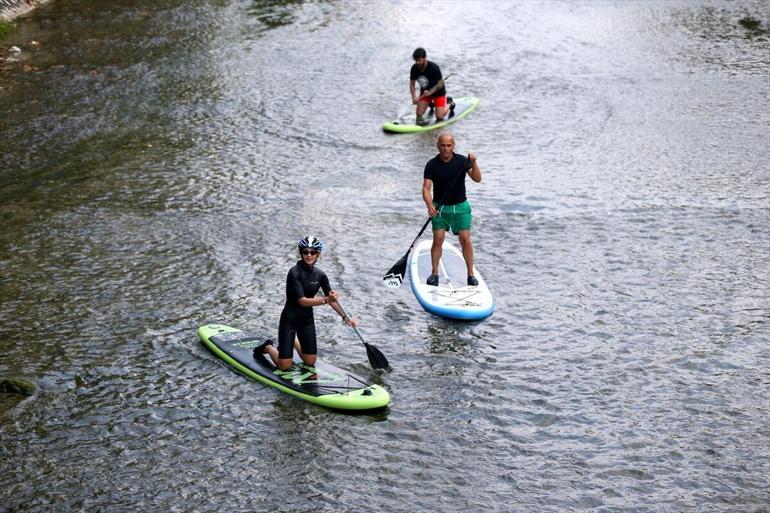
(436, 87)
(376, 359)
(348, 318)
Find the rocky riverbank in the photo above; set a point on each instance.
(10, 9)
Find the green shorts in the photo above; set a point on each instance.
(455, 217)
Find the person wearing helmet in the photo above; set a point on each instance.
(296, 329)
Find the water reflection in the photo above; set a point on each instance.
(274, 13)
(445, 336)
(738, 24)
(157, 168)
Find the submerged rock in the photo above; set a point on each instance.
(17, 386)
(750, 23)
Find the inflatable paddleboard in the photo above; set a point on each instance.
(407, 124)
(453, 297)
(324, 384)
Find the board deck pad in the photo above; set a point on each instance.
(452, 274)
(316, 380)
(408, 122)
(322, 384)
(452, 298)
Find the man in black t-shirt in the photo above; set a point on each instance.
(427, 75)
(448, 206)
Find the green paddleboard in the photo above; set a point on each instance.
(324, 384)
(407, 124)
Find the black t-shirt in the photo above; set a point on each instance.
(303, 281)
(427, 78)
(444, 175)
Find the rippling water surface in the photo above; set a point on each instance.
(158, 159)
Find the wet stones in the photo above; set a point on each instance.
(17, 386)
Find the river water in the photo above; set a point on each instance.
(158, 161)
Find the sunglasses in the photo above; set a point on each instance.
(306, 252)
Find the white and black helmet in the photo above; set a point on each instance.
(311, 243)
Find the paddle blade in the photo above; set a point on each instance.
(376, 359)
(395, 275)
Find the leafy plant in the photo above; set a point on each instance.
(5, 28)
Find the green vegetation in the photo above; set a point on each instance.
(5, 28)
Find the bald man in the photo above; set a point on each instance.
(443, 190)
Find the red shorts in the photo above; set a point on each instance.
(438, 101)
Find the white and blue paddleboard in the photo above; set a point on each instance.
(453, 298)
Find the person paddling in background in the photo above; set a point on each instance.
(445, 175)
(296, 329)
(427, 75)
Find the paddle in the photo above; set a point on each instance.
(436, 87)
(376, 359)
(395, 275)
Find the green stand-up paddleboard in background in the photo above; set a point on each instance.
(407, 124)
(324, 384)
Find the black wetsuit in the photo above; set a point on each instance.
(296, 320)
